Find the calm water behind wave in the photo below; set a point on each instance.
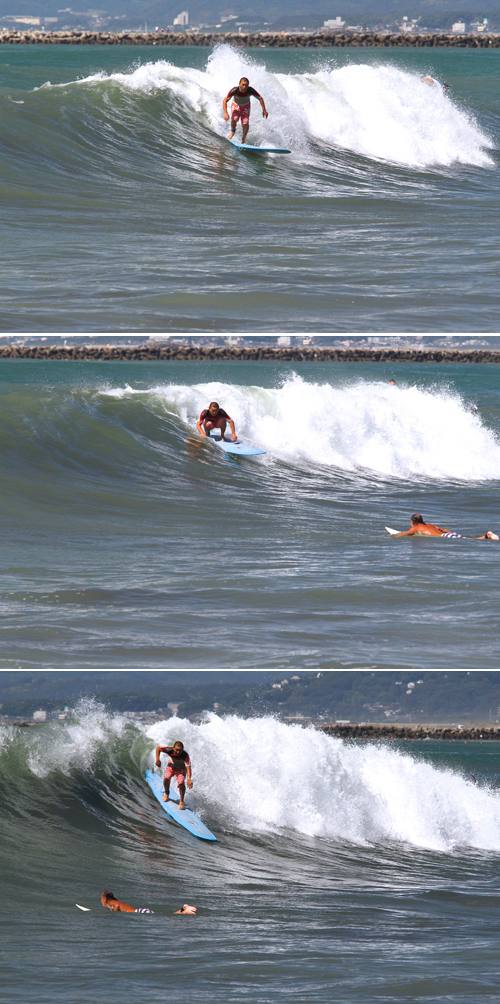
(126, 209)
(127, 541)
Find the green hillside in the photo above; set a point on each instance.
(357, 696)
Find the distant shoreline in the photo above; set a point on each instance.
(170, 353)
(278, 40)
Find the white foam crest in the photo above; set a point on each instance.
(264, 775)
(404, 431)
(74, 743)
(379, 112)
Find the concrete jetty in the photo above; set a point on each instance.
(275, 40)
(469, 731)
(161, 352)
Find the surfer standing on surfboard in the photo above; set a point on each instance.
(421, 529)
(177, 766)
(240, 107)
(214, 417)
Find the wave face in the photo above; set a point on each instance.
(378, 112)
(403, 432)
(382, 219)
(337, 866)
(252, 776)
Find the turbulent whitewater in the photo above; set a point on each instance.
(406, 431)
(377, 112)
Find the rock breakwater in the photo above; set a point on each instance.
(169, 353)
(470, 731)
(276, 40)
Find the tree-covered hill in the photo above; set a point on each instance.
(355, 695)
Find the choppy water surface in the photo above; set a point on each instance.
(128, 541)
(342, 871)
(125, 208)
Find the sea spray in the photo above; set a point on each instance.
(264, 775)
(375, 111)
(404, 432)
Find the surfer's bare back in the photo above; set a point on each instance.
(419, 528)
(240, 107)
(178, 765)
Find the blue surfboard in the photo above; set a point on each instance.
(242, 448)
(185, 817)
(256, 149)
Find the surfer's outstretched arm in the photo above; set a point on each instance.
(265, 113)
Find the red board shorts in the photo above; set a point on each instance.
(171, 771)
(218, 423)
(240, 112)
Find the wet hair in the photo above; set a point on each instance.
(178, 743)
(212, 403)
(108, 895)
(417, 518)
(245, 79)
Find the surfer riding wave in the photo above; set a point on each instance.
(240, 107)
(178, 765)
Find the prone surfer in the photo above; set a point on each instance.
(116, 905)
(177, 767)
(186, 909)
(214, 417)
(421, 529)
(240, 107)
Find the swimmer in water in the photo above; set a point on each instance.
(421, 529)
(186, 909)
(116, 905)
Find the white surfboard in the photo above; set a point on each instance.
(85, 908)
(256, 149)
(391, 531)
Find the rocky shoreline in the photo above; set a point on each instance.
(320, 40)
(471, 731)
(170, 353)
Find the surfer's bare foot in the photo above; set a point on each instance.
(181, 805)
(165, 797)
(230, 135)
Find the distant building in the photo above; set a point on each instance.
(39, 716)
(334, 24)
(459, 27)
(182, 19)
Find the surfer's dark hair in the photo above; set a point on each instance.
(108, 895)
(178, 743)
(216, 403)
(417, 518)
(244, 78)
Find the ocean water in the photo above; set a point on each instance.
(128, 541)
(343, 871)
(125, 209)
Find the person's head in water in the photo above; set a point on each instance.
(107, 895)
(417, 518)
(187, 909)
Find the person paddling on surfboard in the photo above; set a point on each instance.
(240, 107)
(177, 766)
(215, 418)
(116, 905)
(421, 529)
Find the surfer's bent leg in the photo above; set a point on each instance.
(182, 794)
